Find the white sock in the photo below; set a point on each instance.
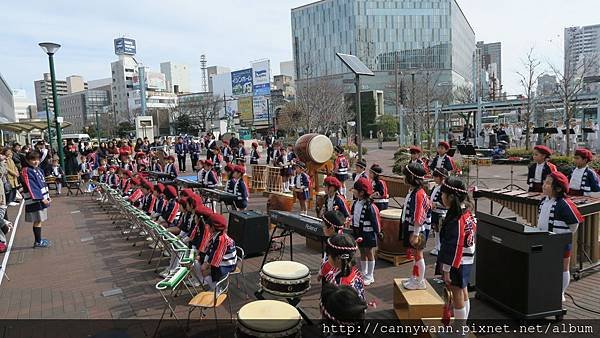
(421, 266)
(467, 307)
(566, 280)
(437, 241)
(460, 313)
(371, 269)
(364, 268)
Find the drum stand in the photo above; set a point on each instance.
(512, 173)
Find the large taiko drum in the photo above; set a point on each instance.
(315, 148)
(391, 243)
(286, 279)
(259, 182)
(268, 318)
(274, 179)
(280, 201)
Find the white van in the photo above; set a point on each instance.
(76, 137)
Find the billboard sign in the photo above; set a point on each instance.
(261, 78)
(261, 112)
(154, 81)
(241, 82)
(245, 108)
(125, 46)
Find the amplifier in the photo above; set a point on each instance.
(249, 230)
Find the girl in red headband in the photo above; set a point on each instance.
(366, 227)
(559, 214)
(340, 251)
(416, 222)
(457, 250)
(438, 211)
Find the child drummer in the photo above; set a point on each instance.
(439, 210)
(219, 254)
(583, 180)
(340, 251)
(334, 200)
(457, 251)
(254, 154)
(442, 160)
(540, 169)
(365, 226)
(380, 191)
(240, 190)
(301, 185)
(416, 223)
(340, 168)
(559, 214)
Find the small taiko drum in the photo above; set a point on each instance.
(274, 179)
(258, 177)
(285, 279)
(315, 148)
(320, 205)
(268, 318)
(280, 201)
(392, 232)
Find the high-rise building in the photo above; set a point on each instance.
(491, 59)
(7, 105)
(387, 35)
(215, 70)
(582, 43)
(93, 84)
(80, 108)
(123, 72)
(24, 107)
(547, 85)
(287, 68)
(177, 75)
(43, 89)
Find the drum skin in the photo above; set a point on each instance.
(313, 148)
(274, 179)
(272, 318)
(392, 230)
(320, 205)
(285, 278)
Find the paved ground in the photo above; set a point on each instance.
(89, 261)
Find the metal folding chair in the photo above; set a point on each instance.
(211, 299)
(168, 289)
(73, 182)
(239, 269)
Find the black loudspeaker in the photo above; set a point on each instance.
(250, 231)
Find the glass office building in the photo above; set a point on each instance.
(432, 35)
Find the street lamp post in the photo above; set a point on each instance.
(48, 120)
(50, 48)
(97, 126)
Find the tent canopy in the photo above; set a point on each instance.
(29, 125)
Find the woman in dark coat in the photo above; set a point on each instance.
(71, 154)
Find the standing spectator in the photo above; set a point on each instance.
(102, 151)
(380, 139)
(71, 166)
(194, 149)
(270, 142)
(36, 196)
(12, 177)
(44, 156)
(17, 155)
(138, 145)
(181, 151)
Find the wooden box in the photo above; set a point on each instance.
(416, 304)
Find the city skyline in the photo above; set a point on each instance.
(233, 34)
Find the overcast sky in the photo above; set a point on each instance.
(234, 32)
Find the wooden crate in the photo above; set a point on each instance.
(416, 304)
(396, 260)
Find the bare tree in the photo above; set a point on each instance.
(464, 94)
(528, 79)
(320, 106)
(202, 108)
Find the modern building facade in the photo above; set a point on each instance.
(123, 72)
(43, 89)
(212, 71)
(415, 34)
(404, 36)
(287, 68)
(490, 60)
(547, 85)
(580, 43)
(24, 107)
(286, 85)
(7, 108)
(80, 108)
(177, 75)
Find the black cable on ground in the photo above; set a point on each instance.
(582, 307)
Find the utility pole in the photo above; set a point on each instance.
(414, 109)
(397, 96)
(48, 119)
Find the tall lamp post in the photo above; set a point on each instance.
(50, 48)
(97, 126)
(48, 120)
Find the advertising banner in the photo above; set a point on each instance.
(261, 78)
(261, 113)
(241, 82)
(245, 108)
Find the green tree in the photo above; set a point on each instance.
(388, 124)
(367, 110)
(125, 128)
